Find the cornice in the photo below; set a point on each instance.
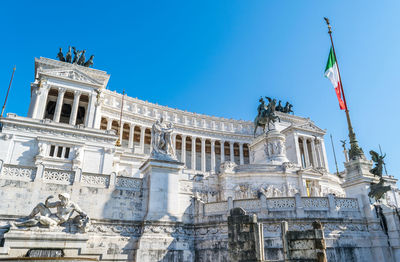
(43, 63)
(44, 127)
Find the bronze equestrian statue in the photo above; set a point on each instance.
(266, 114)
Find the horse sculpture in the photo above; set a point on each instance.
(266, 114)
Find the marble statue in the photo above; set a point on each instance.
(162, 146)
(61, 56)
(65, 208)
(42, 149)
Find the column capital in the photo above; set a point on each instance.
(213, 141)
(61, 90)
(77, 93)
(183, 136)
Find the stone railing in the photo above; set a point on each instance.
(296, 206)
(129, 183)
(346, 204)
(216, 208)
(14, 172)
(68, 177)
(95, 180)
(57, 176)
(252, 205)
(281, 203)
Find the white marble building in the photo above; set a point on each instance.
(155, 211)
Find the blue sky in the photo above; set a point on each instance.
(219, 57)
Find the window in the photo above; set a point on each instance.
(59, 151)
(52, 149)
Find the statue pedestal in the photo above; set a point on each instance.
(358, 178)
(268, 149)
(162, 179)
(163, 235)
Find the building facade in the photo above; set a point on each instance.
(144, 209)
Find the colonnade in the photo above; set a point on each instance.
(198, 153)
(310, 152)
(61, 100)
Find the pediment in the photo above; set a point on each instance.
(313, 171)
(310, 126)
(71, 74)
(305, 126)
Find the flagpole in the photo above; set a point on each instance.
(8, 91)
(334, 155)
(355, 151)
(118, 143)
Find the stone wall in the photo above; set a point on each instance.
(246, 241)
(100, 196)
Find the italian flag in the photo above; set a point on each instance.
(332, 73)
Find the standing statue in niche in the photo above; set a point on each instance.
(378, 190)
(42, 215)
(162, 146)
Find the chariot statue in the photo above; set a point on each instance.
(79, 57)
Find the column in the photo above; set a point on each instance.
(60, 100)
(298, 150)
(306, 157)
(324, 158)
(232, 154)
(109, 123)
(41, 104)
(314, 153)
(203, 154)
(75, 105)
(193, 153)
(174, 142)
(183, 150)
(89, 116)
(37, 93)
(319, 155)
(241, 153)
(213, 156)
(142, 136)
(222, 143)
(131, 135)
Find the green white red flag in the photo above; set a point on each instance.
(332, 73)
